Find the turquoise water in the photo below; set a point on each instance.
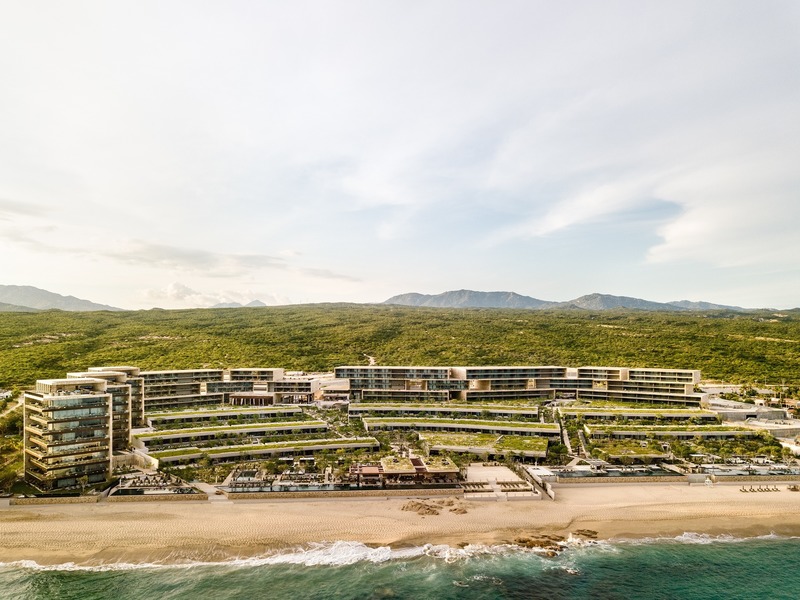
(691, 566)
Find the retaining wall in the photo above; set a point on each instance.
(680, 479)
(160, 498)
(604, 480)
(345, 494)
(756, 478)
(65, 500)
(548, 489)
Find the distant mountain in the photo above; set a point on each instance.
(251, 304)
(15, 308)
(33, 297)
(608, 302)
(470, 299)
(689, 305)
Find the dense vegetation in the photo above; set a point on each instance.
(734, 347)
(10, 447)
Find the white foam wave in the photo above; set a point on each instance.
(339, 553)
(348, 553)
(71, 566)
(690, 537)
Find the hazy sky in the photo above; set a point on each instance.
(183, 153)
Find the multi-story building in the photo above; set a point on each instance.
(120, 390)
(388, 384)
(180, 388)
(297, 390)
(255, 374)
(531, 383)
(68, 432)
(165, 390)
(136, 384)
(73, 425)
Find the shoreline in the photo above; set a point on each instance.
(220, 531)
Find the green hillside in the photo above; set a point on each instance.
(731, 346)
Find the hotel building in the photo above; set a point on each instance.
(493, 384)
(68, 432)
(74, 425)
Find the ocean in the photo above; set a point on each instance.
(689, 566)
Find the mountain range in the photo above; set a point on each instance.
(253, 304)
(473, 299)
(26, 298)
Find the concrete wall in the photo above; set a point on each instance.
(784, 432)
(761, 413)
(604, 480)
(160, 498)
(133, 459)
(513, 497)
(345, 494)
(755, 479)
(64, 500)
(549, 490)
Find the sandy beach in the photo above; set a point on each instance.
(210, 531)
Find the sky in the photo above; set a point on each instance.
(184, 153)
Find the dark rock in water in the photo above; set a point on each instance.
(552, 543)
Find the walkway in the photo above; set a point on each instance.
(212, 493)
(11, 407)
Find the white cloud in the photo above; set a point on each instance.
(197, 141)
(178, 295)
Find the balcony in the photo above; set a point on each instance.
(84, 449)
(37, 431)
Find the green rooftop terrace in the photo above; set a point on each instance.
(228, 428)
(212, 412)
(478, 423)
(439, 463)
(397, 464)
(659, 428)
(487, 443)
(620, 448)
(521, 407)
(298, 445)
(614, 409)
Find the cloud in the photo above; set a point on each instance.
(165, 256)
(371, 134)
(176, 291)
(10, 209)
(326, 274)
(587, 206)
(177, 294)
(212, 264)
(735, 214)
(169, 257)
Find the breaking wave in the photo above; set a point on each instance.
(339, 553)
